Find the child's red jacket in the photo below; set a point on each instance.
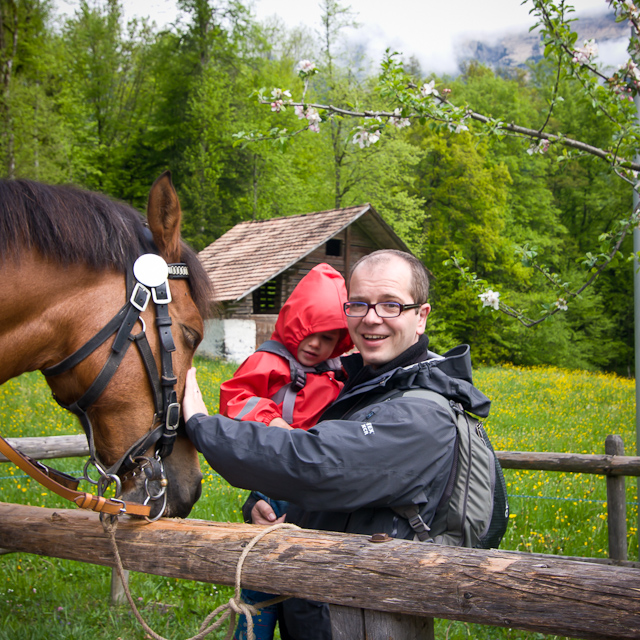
(315, 305)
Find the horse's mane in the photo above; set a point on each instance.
(70, 225)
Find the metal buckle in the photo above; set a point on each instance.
(123, 508)
(178, 270)
(156, 292)
(137, 290)
(173, 416)
(418, 524)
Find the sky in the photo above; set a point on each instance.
(426, 29)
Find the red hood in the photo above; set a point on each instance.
(315, 305)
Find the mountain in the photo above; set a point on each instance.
(516, 49)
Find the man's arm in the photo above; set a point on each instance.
(404, 449)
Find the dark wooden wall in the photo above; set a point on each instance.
(356, 243)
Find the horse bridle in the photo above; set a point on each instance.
(142, 286)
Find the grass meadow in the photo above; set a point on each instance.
(533, 409)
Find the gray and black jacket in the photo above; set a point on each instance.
(373, 450)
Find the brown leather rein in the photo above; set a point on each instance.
(140, 289)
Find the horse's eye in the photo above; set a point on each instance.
(192, 337)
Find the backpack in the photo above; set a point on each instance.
(287, 394)
(474, 510)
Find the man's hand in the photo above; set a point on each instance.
(192, 401)
(262, 513)
(280, 422)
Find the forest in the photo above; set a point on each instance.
(89, 100)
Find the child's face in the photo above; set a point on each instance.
(317, 347)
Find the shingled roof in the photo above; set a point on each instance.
(254, 252)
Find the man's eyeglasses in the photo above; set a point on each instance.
(382, 309)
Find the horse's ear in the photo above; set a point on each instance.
(163, 214)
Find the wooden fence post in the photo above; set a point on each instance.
(118, 595)
(349, 623)
(616, 504)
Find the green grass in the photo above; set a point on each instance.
(537, 409)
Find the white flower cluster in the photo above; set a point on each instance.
(632, 9)
(429, 89)
(306, 67)
(311, 115)
(583, 55)
(490, 299)
(278, 96)
(397, 121)
(541, 147)
(561, 303)
(632, 69)
(365, 137)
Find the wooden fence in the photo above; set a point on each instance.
(376, 590)
(613, 464)
(541, 593)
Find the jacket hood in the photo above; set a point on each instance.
(316, 304)
(449, 375)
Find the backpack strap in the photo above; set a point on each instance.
(412, 512)
(287, 394)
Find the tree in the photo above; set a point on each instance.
(609, 97)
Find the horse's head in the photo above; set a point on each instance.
(143, 393)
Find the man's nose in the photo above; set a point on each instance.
(371, 317)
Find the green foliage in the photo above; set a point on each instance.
(110, 106)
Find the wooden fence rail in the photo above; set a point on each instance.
(538, 593)
(608, 465)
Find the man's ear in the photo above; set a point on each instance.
(423, 314)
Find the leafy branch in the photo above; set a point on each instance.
(611, 95)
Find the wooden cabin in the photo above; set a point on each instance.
(255, 266)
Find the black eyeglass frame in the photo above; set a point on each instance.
(401, 308)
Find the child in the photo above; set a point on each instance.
(313, 328)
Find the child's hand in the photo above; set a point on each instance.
(192, 401)
(280, 422)
(263, 513)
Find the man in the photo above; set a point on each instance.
(374, 454)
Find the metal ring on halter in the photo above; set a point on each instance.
(164, 506)
(106, 480)
(144, 326)
(85, 473)
(153, 497)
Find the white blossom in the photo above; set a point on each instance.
(364, 137)
(429, 89)
(306, 67)
(561, 303)
(583, 55)
(279, 94)
(312, 116)
(397, 121)
(277, 105)
(541, 147)
(490, 299)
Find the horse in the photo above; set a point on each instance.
(68, 261)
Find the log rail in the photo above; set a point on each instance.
(609, 465)
(501, 588)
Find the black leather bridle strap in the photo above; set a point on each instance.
(88, 347)
(171, 414)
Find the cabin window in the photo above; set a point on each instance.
(266, 299)
(333, 247)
